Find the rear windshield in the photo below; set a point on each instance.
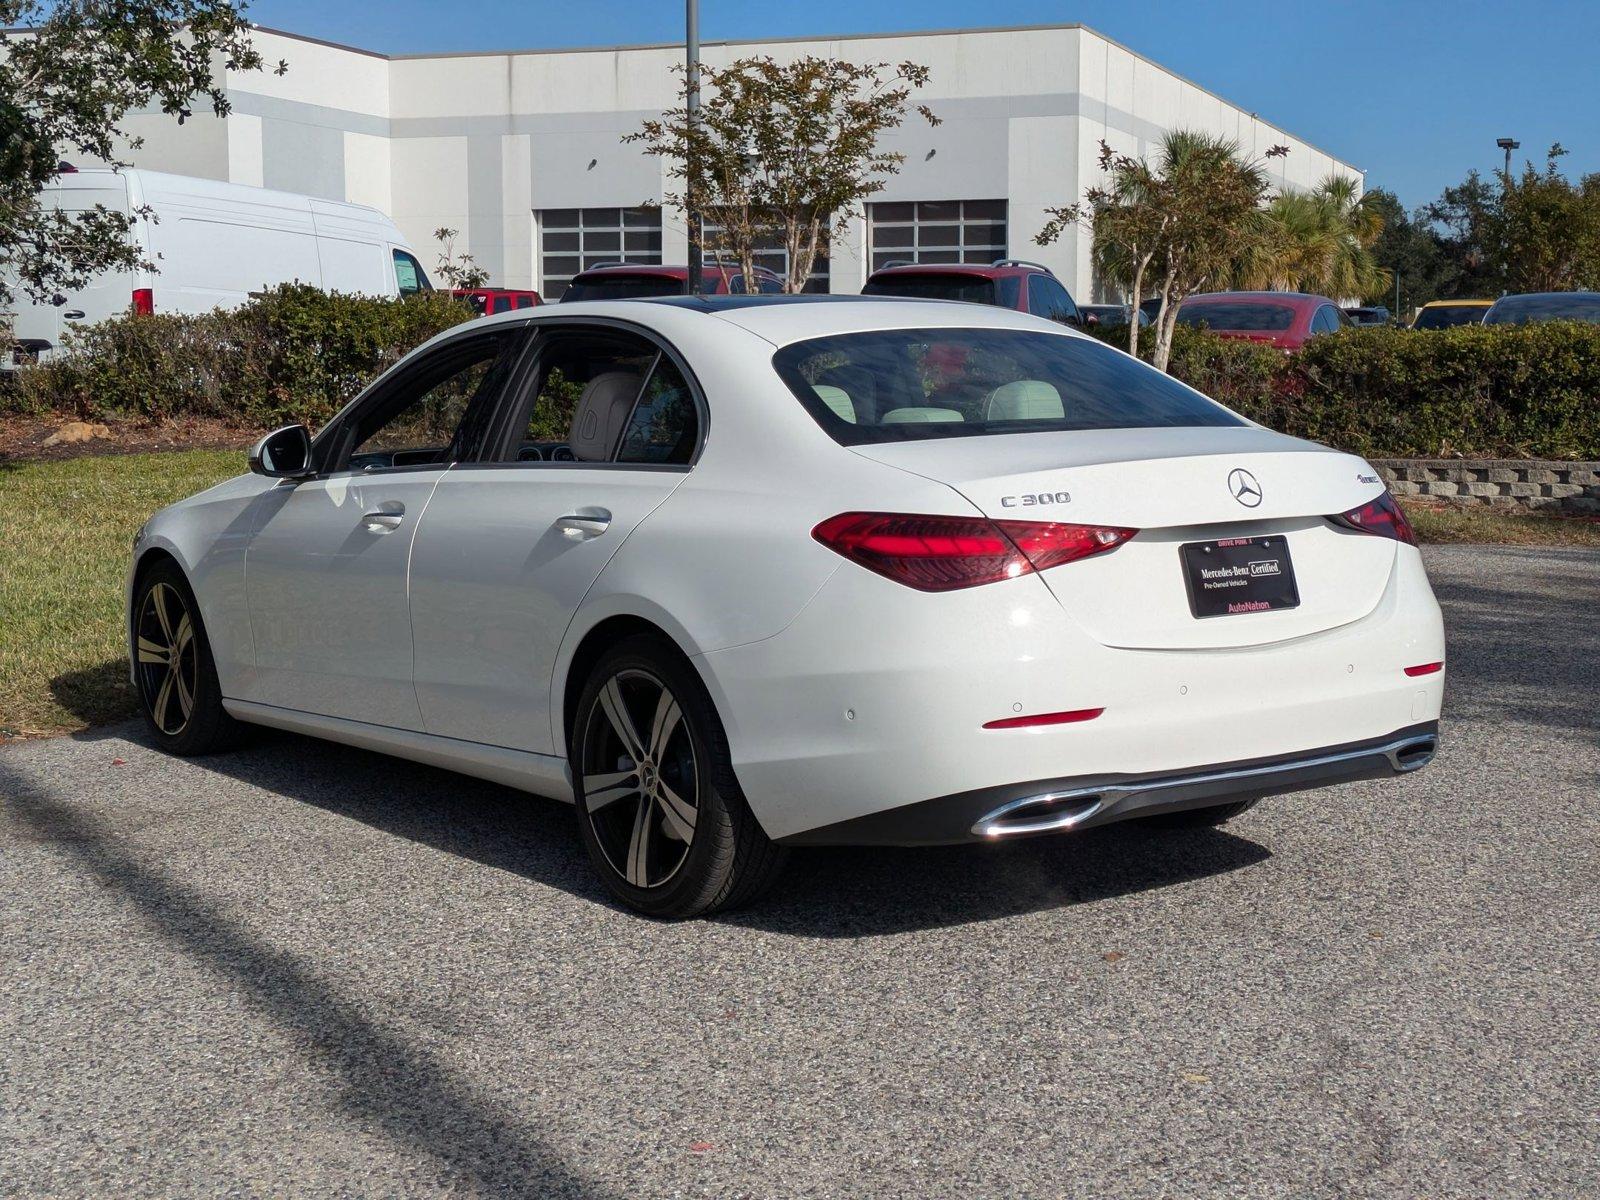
(1568, 306)
(623, 287)
(973, 288)
(1449, 318)
(907, 384)
(1245, 318)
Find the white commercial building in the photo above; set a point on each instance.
(521, 151)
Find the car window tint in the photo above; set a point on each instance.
(892, 385)
(409, 276)
(1553, 306)
(1047, 298)
(923, 286)
(1240, 317)
(438, 412)
(665, 424)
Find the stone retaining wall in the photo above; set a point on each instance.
(1568, 487)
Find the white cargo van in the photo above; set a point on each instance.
(214, 244)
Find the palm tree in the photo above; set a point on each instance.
(1321, 241)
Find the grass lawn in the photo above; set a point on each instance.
(66, 528)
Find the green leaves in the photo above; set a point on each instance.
(783, 153)
(70, 72)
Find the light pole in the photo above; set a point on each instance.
(691, 44)
(1506, 144)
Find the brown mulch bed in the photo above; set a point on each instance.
(22, 438)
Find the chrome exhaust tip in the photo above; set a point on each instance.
(1045, 813)
(1413, 754)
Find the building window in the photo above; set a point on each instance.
(937, 231)
(772, 256)
(575, 239)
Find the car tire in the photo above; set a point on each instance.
(175, 674)
(1199, 818)
(659, 809)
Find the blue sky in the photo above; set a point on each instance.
(1415, 93)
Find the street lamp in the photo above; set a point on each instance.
(691, 45)
(1506, 144)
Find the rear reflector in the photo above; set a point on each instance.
(1381, 517)
(1055, 718)
(940, 554)
(1425, 669)
(144, 301)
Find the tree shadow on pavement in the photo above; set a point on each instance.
(390, 1084)
(843, 892)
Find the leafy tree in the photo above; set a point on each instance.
(1534, 232)
(70, 71)
(1414, 253)
(783, 153)
(457, 270)
(1322, 241)
(1190, 221)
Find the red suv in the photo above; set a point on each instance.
(490, 300)
(1009, 283)
(631, 281)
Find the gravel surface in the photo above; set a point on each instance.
(303, 969)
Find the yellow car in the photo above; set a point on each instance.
(1447, 314)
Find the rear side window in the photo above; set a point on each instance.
(664, 424)
(1047, 298)
(907, 384)
(972, 288)
(1244, 318)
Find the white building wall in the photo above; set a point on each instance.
(482, 143)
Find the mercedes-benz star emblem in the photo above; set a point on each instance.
(1244, 488)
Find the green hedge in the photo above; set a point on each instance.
(1506, 391)
(298, 354)
(295, 354)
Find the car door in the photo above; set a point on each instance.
(606, 429)
(325, 572)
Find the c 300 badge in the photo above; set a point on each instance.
(1035, 499)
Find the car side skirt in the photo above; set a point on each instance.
(541, 774)
(1082, 802)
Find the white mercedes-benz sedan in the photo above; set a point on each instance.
(743, 573)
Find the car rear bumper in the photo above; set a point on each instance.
(1083, 802)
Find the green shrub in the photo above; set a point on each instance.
(295, 354)
(1504, 391)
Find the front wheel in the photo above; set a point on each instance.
(660, 811)
(178, 689)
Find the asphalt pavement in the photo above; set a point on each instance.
(300, 969)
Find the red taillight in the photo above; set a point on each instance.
(1425, 669)
(1055, 718)
(144, 302)
(940, 554)
(1382, 517)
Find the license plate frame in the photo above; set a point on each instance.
(1233, 577)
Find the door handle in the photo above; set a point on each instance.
(73, 314)
(585, 523)
(383, 519)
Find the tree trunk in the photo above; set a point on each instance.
(1133, 307)
(1164, 326)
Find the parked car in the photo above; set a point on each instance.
(636, 281)
(799, 571)
(1372, 314)
(1536, 307)
(1007, 283)
(214, 245)
(1447, 314)
(491, 300)
(1282, 319)
(1110, 315)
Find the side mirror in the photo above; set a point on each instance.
(283, 454)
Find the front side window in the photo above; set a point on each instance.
(899, 385)
(409, 276)
(437, 412)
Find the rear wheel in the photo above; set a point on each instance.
(661, 813)
(1198, 818)
(178, 689)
